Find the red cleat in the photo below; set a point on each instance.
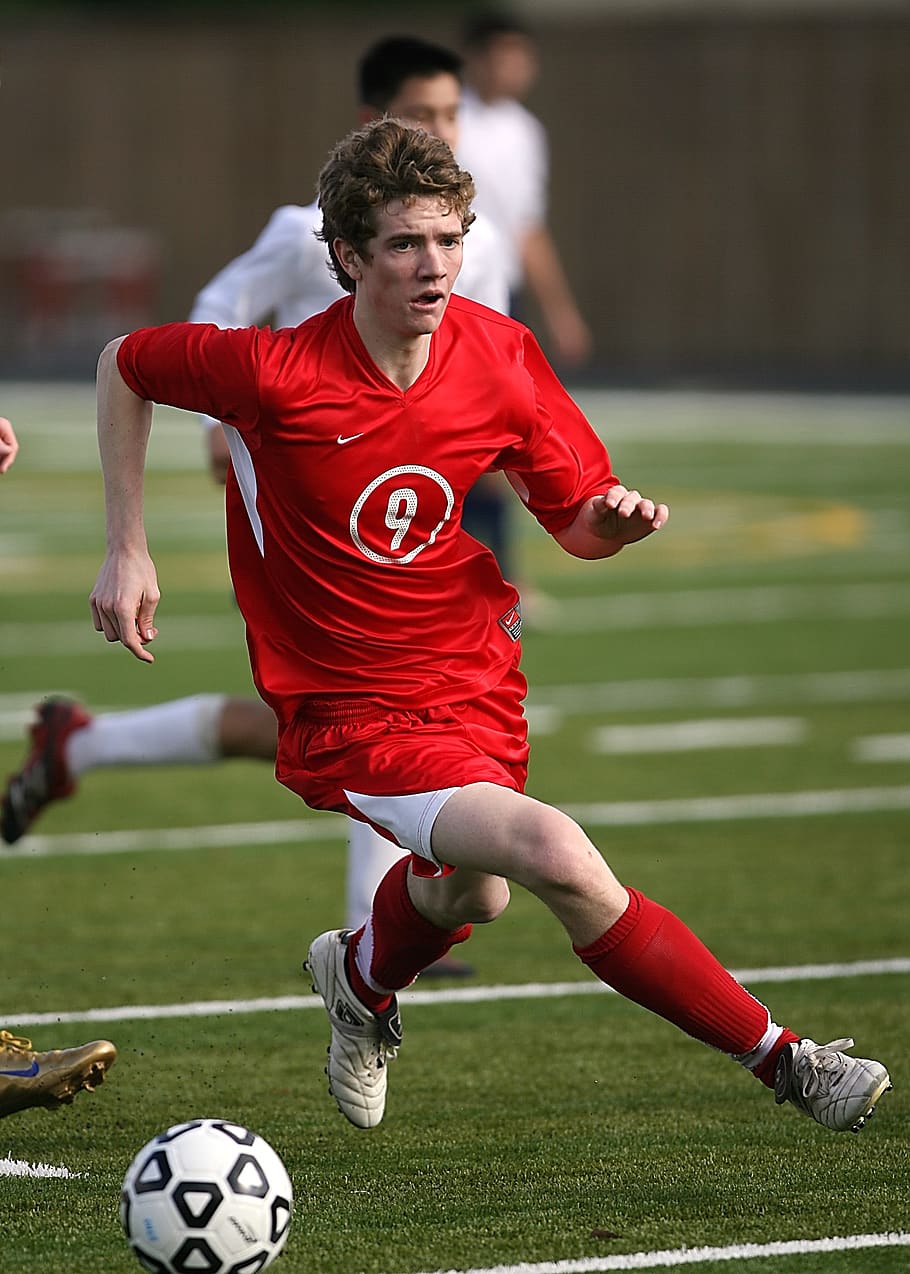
(45, 776)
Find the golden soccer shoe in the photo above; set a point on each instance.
(363, 1042)
(28, 1078)
(835, 1090)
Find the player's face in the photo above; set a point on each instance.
(406, 276)
(509, 66)
(431, 102)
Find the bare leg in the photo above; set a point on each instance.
(487, 829)
(247, 727)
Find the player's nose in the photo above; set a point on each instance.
(433, 262)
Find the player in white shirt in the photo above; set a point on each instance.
(504, 146)
(284, 277)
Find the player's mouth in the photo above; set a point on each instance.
(429, 300)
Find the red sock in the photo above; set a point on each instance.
(396, 943)
(651, 957)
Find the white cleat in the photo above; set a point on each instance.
(835, 1090)
(363, 1042)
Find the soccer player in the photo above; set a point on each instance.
(386, 640)
(285, 275)
(506, 150)
(28, 1078)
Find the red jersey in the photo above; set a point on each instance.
(347, 555)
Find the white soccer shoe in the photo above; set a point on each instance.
(363, 1042)
(835, 1090)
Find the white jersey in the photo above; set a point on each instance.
(504, 147)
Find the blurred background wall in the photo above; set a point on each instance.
(730, 181)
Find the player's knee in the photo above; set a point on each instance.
(485, 905)
(558, 855)
(464, 898)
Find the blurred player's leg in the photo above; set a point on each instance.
(67, 741)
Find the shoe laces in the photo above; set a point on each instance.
(821, 1065)
(15, 1043)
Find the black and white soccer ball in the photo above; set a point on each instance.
(207, 1197)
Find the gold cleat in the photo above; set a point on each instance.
(49, 1079)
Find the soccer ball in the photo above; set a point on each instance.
(206, 1197)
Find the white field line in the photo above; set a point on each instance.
(882, 747)
(672, 1258)
(849, 686)
(331, 827)
(547, 705)
(698, 608)
(702, 608)
(703, 734)
(10, 1167)
(77, 637)
(778, 419)
(326, 827)
(714, 809)
(453, 995)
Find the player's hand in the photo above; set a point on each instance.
(219, 454)
(9, 445)
(625, 516)
(124, 601)
(572, 340)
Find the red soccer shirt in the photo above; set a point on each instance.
(347, 555)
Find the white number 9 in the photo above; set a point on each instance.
(400, 514)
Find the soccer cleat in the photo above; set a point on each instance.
(835, 1090)
(363, 1042)
(50, 1079)
(45, 776)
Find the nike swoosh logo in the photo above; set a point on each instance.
(350, 438)
(29, 1074)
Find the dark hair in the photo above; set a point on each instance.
(374, 165)
(387, 64)
(480, 30)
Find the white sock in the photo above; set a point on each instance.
(369, 858)
(181, 732)
(757, 1055)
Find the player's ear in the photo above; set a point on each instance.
(348, 258)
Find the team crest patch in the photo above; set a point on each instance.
(511, 622)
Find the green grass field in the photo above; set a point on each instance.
(562, 1131)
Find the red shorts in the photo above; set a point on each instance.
(338, 748)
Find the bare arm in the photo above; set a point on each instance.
(9, 445)
(125, 596)
(547, 282)
(607, 523)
